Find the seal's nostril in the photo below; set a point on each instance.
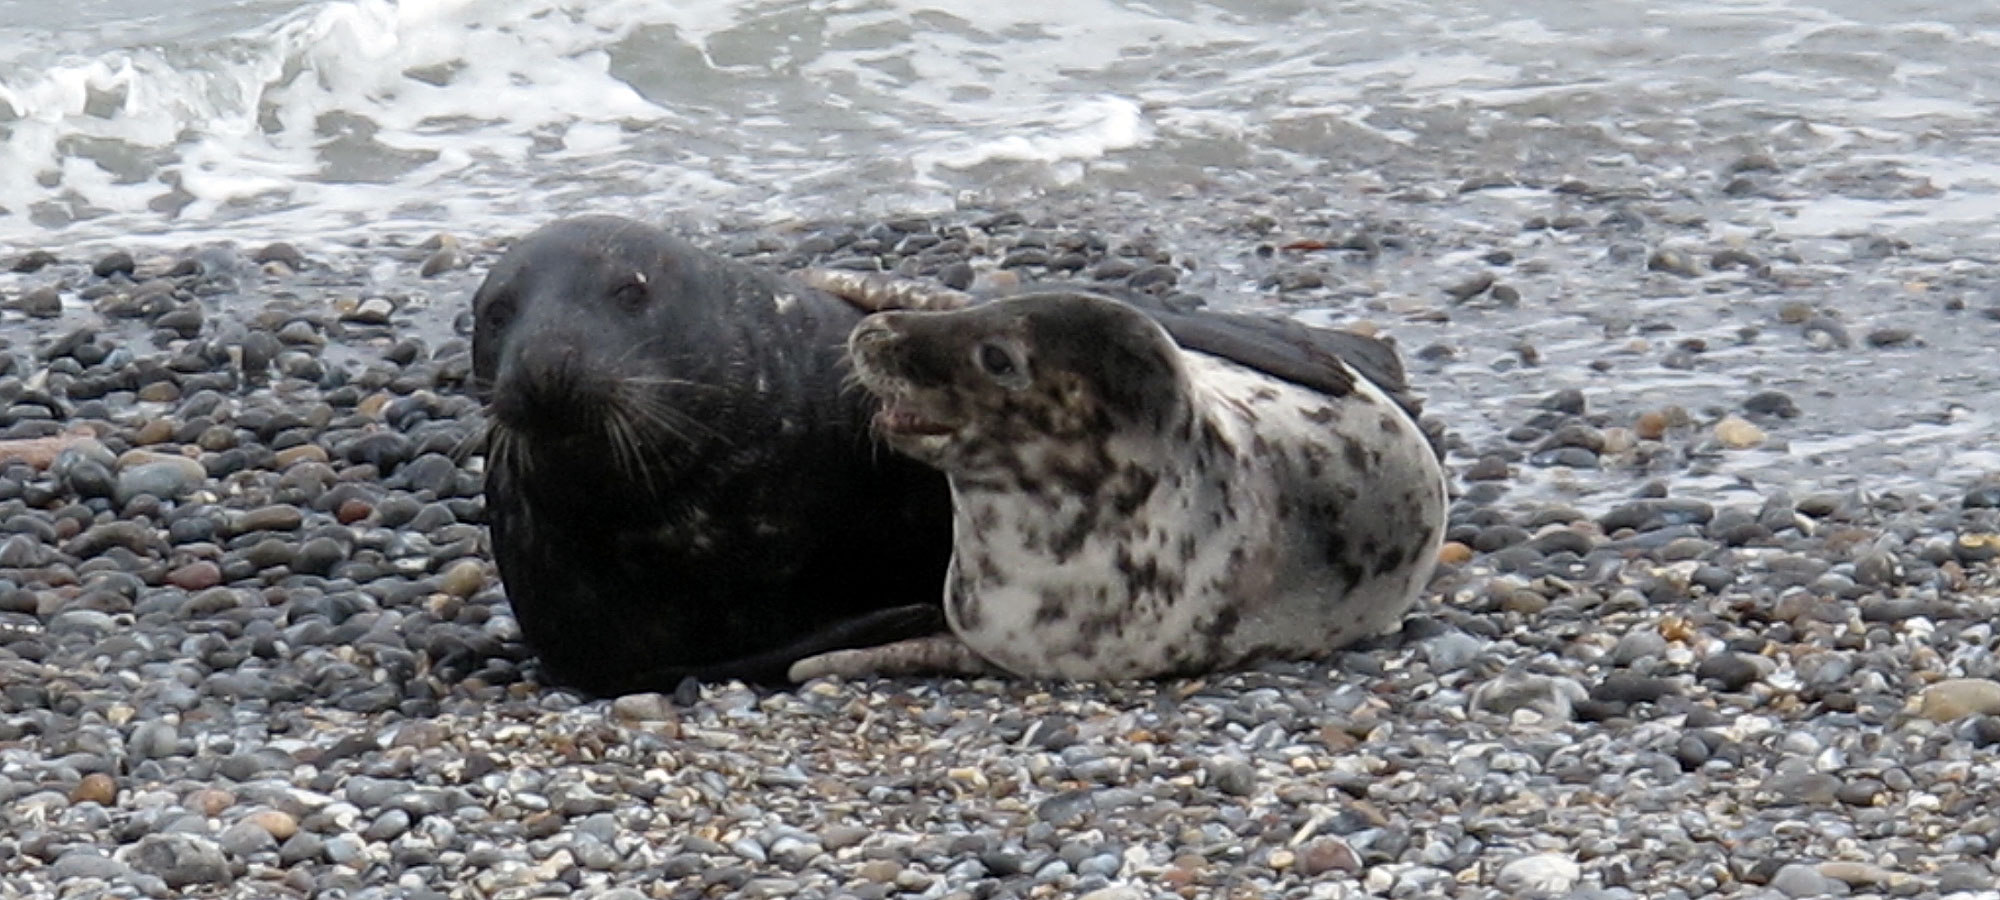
(872, 331)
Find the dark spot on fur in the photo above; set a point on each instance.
(1072, 537)
(1341, 558)
(1321, 416)
(1216, 633)
(1211, 437)
(1390, 424)
(988, 572)
(1135, 485)
(985, 519)
(1053, 608)
(1147, 578)
(1263, 394)
(1260, 446)
(1357, 455)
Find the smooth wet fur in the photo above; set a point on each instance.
(1129, 507)
(679, 482)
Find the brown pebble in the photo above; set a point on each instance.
(353, 510)
(1956, 698)
(643, 708)
(1327, 854)
(302, 452)
(542, 824)
(1651, 426)
(275, 517)
(1675, 628)
(879, 871)
(442, 261)
(160, 392)
(196, 576)
(277, 823)
(462, 578)
(371, 405)
(1454, 553)
(155, 431)
(1524, 601)
(97, 788)
(41, 452)
(210, 802)
(1737, 433)
(444, 607)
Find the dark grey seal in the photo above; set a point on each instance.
(1130, 506)
(679, 485)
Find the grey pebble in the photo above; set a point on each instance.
(88, 862)
(246, 838)
(1804, 880)
(180, 860)
(388, 826)
(1233, 777)
(153, 740)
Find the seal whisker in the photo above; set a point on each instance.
(662, 381)
(478, 439)
(671, 421)
(628, 452)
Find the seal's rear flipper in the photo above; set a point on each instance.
(886, 626)
(938, 654)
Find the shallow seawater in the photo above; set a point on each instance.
(1849, 145)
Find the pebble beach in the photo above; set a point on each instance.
(252, 644)
(1703, 294)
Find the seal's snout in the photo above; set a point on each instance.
(551, 388)
(871, 334)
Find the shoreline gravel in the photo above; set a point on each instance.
(251, 644)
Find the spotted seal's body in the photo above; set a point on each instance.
(678, 482)
(1127, 508)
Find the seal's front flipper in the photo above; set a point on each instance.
(938, 654)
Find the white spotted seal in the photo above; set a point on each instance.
(678, 483)
(1129, 508)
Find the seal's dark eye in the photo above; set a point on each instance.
(997, 361)
(498, 314)
(631, 296)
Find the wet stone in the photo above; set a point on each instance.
(181, 860)
(1772, 403)
(1729, 670)
(1651, 514)
(1956, 698)
(276, 517)
(1804, 880)
(117, 262)
(41, 303)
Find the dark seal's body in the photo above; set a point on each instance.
(1128, 507)
(678, 482)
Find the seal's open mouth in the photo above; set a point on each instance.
(900, 420)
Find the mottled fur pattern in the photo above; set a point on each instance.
(1125, 508)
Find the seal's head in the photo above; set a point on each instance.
(583, 348)
(982, 387)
